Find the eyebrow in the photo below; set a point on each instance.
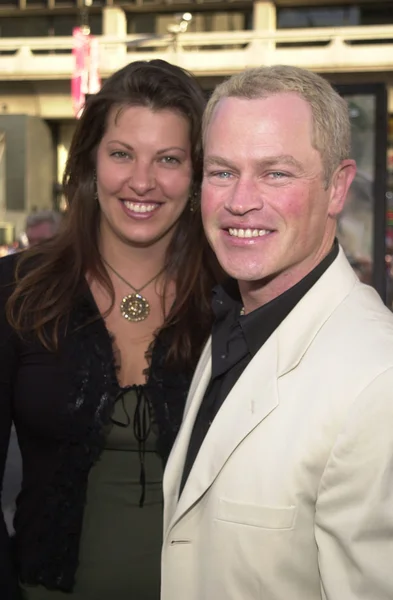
(285, 159)
(218, 161)
(121, 143)
(170, 149)
(163, 151)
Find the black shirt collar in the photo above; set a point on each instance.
(258, 325)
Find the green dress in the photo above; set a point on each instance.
(120, 547)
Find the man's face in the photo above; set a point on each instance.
(38, 233)
(264, 206)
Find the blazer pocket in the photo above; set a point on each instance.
(266, 517)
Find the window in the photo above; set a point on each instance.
(326, 16)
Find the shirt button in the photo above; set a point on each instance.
(223, 356)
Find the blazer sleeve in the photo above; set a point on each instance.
(8, 581)
(354, 510)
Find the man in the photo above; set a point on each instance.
(280, 484)
(42, 225)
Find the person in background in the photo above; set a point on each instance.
(355, 227)
(42, 225)
(100, 331)
(280, 483)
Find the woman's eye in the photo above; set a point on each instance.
(170, 160)
(119, 154)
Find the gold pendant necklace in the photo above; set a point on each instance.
(134, 307)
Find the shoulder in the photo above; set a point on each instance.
(10, 274)
(7, 268)
(354, 349)
(7, 277)
(7, 286)
(364, 312)
(9, 264)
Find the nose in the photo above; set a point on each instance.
(245, 197)
(141, 179)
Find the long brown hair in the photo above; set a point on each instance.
(48, 277)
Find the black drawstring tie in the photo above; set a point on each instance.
(142, 428)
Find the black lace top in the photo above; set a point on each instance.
(61, 404)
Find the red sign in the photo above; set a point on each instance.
(85, 78)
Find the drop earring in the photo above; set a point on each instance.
(95, 186)
(193, 202)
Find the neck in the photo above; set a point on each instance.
(140, 263)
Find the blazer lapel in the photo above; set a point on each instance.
(299, 329)
(252, 398)
(175, 464)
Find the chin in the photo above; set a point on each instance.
(242, 272)
(238, 274)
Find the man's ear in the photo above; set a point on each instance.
(339, 186)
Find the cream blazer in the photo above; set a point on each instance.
(291, 494)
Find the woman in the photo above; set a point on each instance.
(101, 332)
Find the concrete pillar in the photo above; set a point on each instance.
(66, 132)
(390, 99)
(264, 20)
(114, 22)
(29, 174)
(264, 16)
(3, 175)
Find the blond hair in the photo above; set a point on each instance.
(331, 134)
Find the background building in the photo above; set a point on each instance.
(348, 41)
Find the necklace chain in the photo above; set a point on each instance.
(136, 290)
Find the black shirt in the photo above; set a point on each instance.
(235, 341)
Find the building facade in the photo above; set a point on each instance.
(348, 42)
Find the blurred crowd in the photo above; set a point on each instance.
(40, 225)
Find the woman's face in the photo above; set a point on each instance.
(144, 174)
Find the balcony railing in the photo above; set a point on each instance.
(215, 53)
